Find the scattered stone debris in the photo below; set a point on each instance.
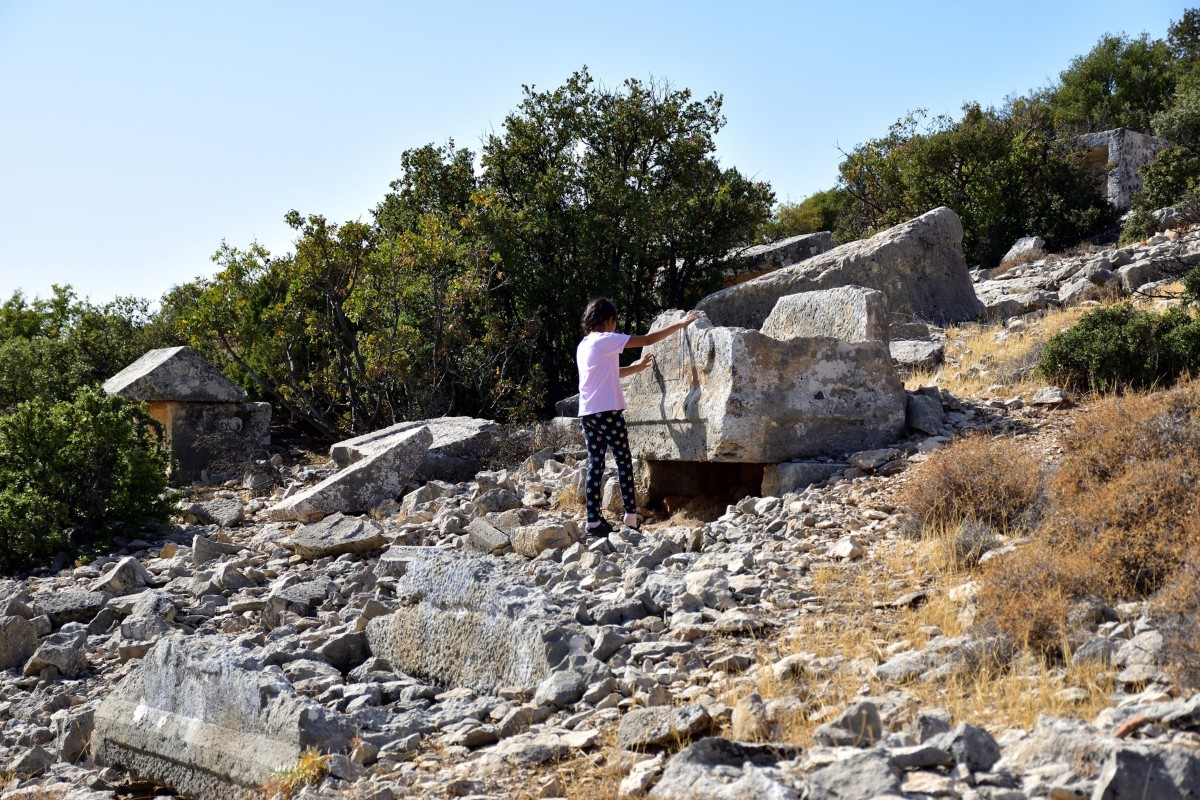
(460, 638)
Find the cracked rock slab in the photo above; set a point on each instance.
(205, 719)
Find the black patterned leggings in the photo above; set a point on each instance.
(601, 431)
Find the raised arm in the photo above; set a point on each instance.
(657, 336)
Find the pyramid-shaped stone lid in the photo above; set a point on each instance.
(174, 374)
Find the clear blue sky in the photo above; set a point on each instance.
(135, 137)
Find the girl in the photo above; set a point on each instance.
(601, 402)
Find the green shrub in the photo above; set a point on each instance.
(1138, 225)
(73, 473)
(1118, 347)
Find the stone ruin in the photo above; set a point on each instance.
(759, 259)
(205, 416)
(1115, 157)
(791, 369)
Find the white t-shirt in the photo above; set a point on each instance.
(598, 356)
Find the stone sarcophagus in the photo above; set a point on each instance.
(740, 395)
(204, 415)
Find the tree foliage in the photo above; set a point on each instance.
(614, 192)
(1119, 347)
(50, 348)
(1121, 83)
(822, 211)
(1002, 172)
(360, 328)
(73, 473)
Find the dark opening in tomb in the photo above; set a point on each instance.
(717, 480)
(1095, 163)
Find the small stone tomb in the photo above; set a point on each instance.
(204, 415)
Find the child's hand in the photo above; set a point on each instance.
(646, 361)
(689, 318)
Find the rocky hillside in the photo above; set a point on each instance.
(469, 641)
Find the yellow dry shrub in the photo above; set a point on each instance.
(979, 478)
(1177, 609)
(1123, 518)
(1027, 593)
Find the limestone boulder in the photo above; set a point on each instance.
(468, 621)
(18, 640)
(793, 476)
(364, 484)
(458, 450)
(849, 313)
(918, 265)
(548, 534)
(1025, 249)
(766, 257)
(737, 395)
(336, 535)
(917, 354)
(715, 768)
(205, 719)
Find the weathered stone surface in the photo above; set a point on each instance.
(467, 622)
(203, 718)
(127, 576)
(174, 374)
(857, 726)
(1119, 154)
(1136, 275)
(918, 265)
(661, 725)
(971, 746)
(205, 549)
(860, 777)
(729, 394)
(849, 313)
(335, 535)
(72, 732)
(223, 512)
(718, 769)
(201, 433)
(364, 484)
(63, 652)
(150, 617)
(294, 598)
(531, 540)
(70, 606)
(486, 538)
(560, 689)
(914, 354)
(924, 413)
(749, 722)
(1136, 772)
(1025, 248)
(456, 452)
(18, 640)
(792, 476)
(1001, 303)
(767, 257)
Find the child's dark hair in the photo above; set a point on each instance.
(598, 312)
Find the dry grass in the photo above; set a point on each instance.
(1002, 696)
(1124, 517)
(853, 629)
(980, 479)
(1177, 608)
(594, 776)
(310, 768)
(978, 358)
